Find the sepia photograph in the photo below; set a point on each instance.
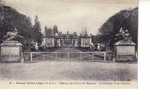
(68, 44)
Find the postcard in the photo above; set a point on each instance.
(51, 44)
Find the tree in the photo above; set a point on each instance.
(11, 19)
(48, 32)
(126, 19)
(74, 34)
(55, 29)
(45, 30)
(37, 35)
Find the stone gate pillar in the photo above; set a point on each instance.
(11, 51)
(125, 51)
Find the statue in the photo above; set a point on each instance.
(14, 52)
(125, 34)
(12, 35)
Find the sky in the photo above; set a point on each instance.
(71, 15)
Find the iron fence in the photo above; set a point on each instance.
(66, 56)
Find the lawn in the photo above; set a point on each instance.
(64, 70)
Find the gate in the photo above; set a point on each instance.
(64, 56)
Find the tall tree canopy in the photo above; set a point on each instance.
(37, 35)
(48, 32)
(11, 19)
(127, 19)
(55, 29)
